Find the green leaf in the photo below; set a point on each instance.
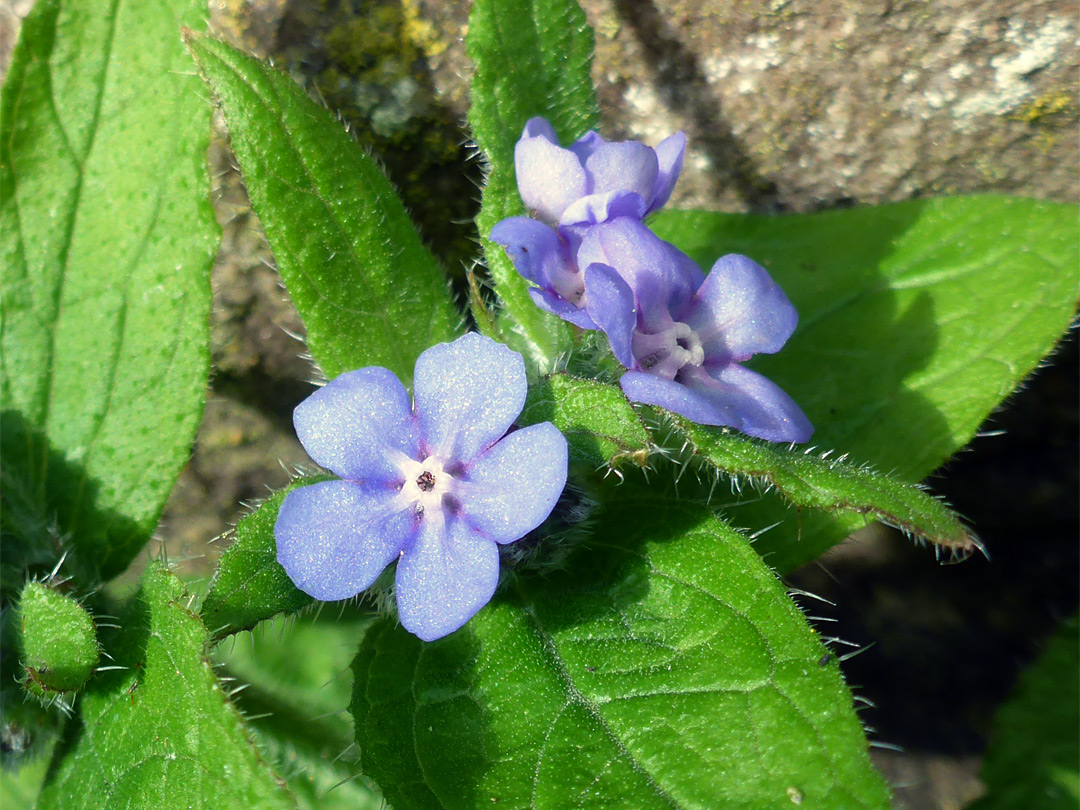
(814, 481)
(1034, 758)
(106, 238)
(369, 292)
(600, 426)
(58, 641)
(916, 320)
(19, 787)
(158, 732)
(29, 727)
(531, 59)
(665, 668)
(296, 684)
(250, 585)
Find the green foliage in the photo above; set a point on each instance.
(665, 668)
(158, 733)
(106, 238)
(600, 426)
(1034, 759)
(531, 59)
(916, 320)
(813, 481)
(58, 641)
(250, 585)
(29, 725)
(368, 290)
(297, 687)
(19, 788)
(604, 430)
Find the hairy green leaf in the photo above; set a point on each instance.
(296, 686)
(250, 585)
(814, 481)
(369, 292)
(29, 727)
(1034, 759)
(598, 422)
(58, 641)
(106, 238)
(916, 321)
(531, 59)
(665, 668)
(158, 732)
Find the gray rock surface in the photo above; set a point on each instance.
(814, 104)
(800, 105)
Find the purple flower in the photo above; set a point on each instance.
(684, 338)
(434, 485)
(571, 185)
(545, 257)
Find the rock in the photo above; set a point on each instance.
(800, 106)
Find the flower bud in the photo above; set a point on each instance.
(58, 640)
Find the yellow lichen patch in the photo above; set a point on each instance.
(372, 46)
(1054, 107)
(420, 32)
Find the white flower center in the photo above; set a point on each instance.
(665, 353)
(426, 483)
(570, 286)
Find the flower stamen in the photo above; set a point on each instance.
(666, 353)
(424, 483)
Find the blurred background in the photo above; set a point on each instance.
(789, 106)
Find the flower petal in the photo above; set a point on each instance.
(765, 409)
(610, 303)
(540, 127)
(740, 311)
(533, 247)
(550, 302)
(468, 393)
(732, 395)
(670, 154)
(676, 397)
(448, 574)
(586, 145)
(662, 277)
(348, 424)
(622, 166)
(601, 207)
(549, 177)
(512, 488)
(335, 538)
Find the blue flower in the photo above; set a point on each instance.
(684, 336)
(566, 286)
(434, 485)
(593, 177)
(546, 257)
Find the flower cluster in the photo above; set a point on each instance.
(682, 335)
(436, 485)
